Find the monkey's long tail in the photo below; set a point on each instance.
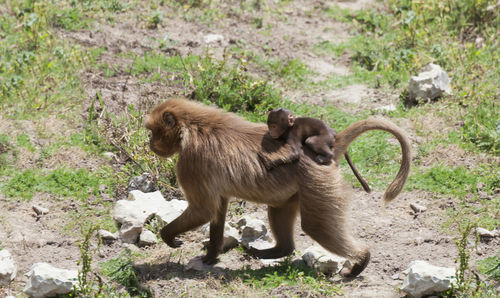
(348, 135)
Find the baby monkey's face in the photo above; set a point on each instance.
(278, 122)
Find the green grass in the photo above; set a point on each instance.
(121, 270)
(457, 181)
(288, 274)
(64, 182)
(490, 267)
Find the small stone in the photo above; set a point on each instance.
(8, 268)
(483, 195)
(259, 244)
(484, 233)
(431, 83)
(426, 279)
(387, 108)
(143, 183)
(110, 155)
(40, 210)
(45, 280)
(107, 236)
(147, 238)
(324, 261)
(211, 38)
(252, 229)
(418, 208)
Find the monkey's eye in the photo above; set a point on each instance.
(272, 126)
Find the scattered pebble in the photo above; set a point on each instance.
(418, 208)
(40, 210)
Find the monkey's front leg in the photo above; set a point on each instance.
(216, 234)
(190, 219)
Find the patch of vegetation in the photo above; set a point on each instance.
(293, 71)
(38, 72)
(458, 181)
(5, 147)
(457, 35)
(23, 140)
(121, 270)
(490, 267)
(288, 274)
(79, 184)
(231, 88)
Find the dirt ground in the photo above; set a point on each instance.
(396, 236)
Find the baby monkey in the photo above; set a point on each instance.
(311, 131)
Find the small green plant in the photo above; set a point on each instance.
(23, 140)
(155, 225)
(464, 285)
(490, 267)
(154, 20)
(87, 286)
(121, 270)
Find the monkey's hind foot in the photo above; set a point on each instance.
(209, 259)
(357, 268)
(270, 253)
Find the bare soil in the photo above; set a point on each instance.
(396, 235)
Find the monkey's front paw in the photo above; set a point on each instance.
(209, 259)
(174, 243)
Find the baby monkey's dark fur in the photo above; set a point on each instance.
(282, 124)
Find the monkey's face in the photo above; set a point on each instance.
(278, 122)
(165, 139)
(275, 130)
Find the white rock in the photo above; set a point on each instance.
(211, 38)
(147, 238)
(387, 108)
(431, 83)
(143, 183)
(40, 210)
(322, 260)
(252, 229)
(46, 281)
(417, 208)
(106, 235)
(271, 262)
(425, 279)
(8, 267)
(110, 155)
(261, 243)
(133, 213)
(231, 237)
(484, 233)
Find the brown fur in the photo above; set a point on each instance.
(219, 159)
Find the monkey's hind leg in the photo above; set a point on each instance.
(282, 222)
(325, 223)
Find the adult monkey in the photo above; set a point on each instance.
(219, 159)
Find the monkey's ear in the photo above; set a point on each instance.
(291, 119)
(169, 119)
